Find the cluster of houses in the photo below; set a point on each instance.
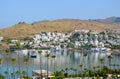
(46, 39)
(81, 37)
(97, 41)
(48, 36)
(78, 38)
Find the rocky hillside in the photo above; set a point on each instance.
(109, 20)
(22, 30)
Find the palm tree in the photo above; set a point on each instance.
(97, 67)
(62, 70)
(117, 66)
(54, 61)
(26, 60)
(72, 69)
(81, 70)
(47, 56)
(94, 67)
(101, 61)
(75, 71)
(24, 73)
(114, 66)
(40, 52)
(13, 62)
(17, 72)
(7, 53)
(81, 67)
(110, 60)
(85, 63)
(0, 68)
(89, 70)
(66, 72)
(12, 75)
(18, 48)
(6, 72)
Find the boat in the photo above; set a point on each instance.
(100, 50)
(32, 53)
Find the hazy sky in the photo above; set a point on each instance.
(14, 11)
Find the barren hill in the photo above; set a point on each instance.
(108, 20)
(62, 25)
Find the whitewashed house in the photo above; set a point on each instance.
(1, 38)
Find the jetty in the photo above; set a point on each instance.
(43, 74)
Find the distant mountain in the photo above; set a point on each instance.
(109, 20)
(37, 22)
(23, 29)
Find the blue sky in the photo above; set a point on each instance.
(14, 11)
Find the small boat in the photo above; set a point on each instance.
(32, 54)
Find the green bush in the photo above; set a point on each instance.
(26, 77)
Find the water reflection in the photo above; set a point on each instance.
(64, 59)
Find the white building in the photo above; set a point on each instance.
(81, 30)
(1, 38)
(52, 37)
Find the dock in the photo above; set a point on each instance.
(44, 73)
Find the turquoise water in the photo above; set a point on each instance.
(64, 59)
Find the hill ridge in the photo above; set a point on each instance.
(22, 30)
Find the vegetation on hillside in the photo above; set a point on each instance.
(22, 30)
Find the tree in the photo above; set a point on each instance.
(24, 73)
(114, 66)
(62, 46)
(26, 61)
(17, 72)
(0, 68)
(117, 66)
(66, 72)
(70, 45)
(40, 52)
(58, 75)
(18, 46)
(13, 62)
(110, 60)
(54, 61)
(101, 61)
(12, 75)
(81, 68)
(72, 70)
(6, 72)
(7, 51)
(47, 56)
(75, 71)
(94, 67)
(85, 63)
